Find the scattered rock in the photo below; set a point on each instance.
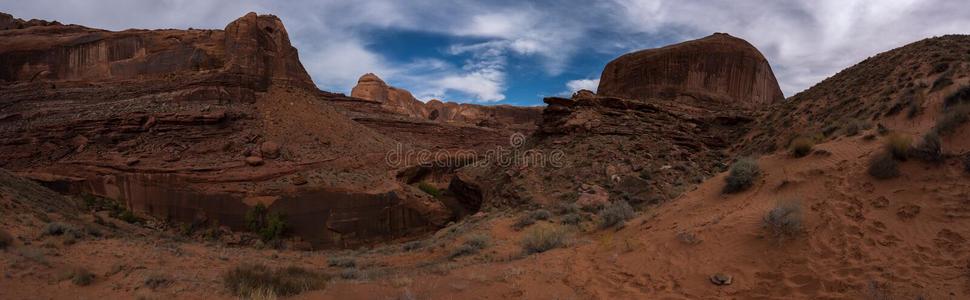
(269, 150)
(721, 279)
(254, 161)
(298, 179)
(908, 212)
(592, 197)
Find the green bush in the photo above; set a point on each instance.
(429, 189)
(268, 225)
(742, 175)
(543, 238)
(248, 280)
(883, 166)
(801, 146)
(615, 214)
(784, 220)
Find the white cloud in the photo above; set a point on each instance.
(583, 84)
(805, 41)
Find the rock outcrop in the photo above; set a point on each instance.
(718, 68)
(400, 101)
(664, 120)
(188, 124)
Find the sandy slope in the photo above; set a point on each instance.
(861, 238)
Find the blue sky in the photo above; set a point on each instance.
(516, 52)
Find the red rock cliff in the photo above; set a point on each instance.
(720, 67)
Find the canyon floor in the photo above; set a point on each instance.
(861, 238)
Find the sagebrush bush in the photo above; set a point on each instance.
(412, 245)
(6, 240)
(898, 145)
(742, 175)
(429, 189)
(784, 220)
(81, 277)
(543, 238)
(930, 149)
(571, 219)
(565, 208)
(615, 213)
(801, 146)
(883, 166)
(58, 228)
(540, 214)
(854, 126)
(961, 96)
(523, 222)
(472, 245)
(342, 261)
(952, 119)
(248, 279)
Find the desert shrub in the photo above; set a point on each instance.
(6, 240)
(898, 145)
(350, 274)
(268, 225)
(128, 217)
(479, 241)
(523, 222)
(249, 279)
(472, 245)
(58, 228)
(784, 220)
(742, 175)
(913, 110)
(883, 166)
(565, 208)
(951, 119)
(540, 214)
(429, 189)
(929, 149)
(941, 82)
(571, 219)
(342, 262)
(81, 277)
(615, 214)
(155, 281)
(543, 238)
(960, 96)
(801, 146)
(412, 245)
(854, 126)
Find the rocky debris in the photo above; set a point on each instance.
(254, 161)
(719, 68)
(269, 150)
(721, 279)
(592, 197)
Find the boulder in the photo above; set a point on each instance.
(269, 150)
(719, 68)
(254, 161)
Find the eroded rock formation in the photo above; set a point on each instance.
(189, 124)
(400, 101)
(719, 68)
(663, 120)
